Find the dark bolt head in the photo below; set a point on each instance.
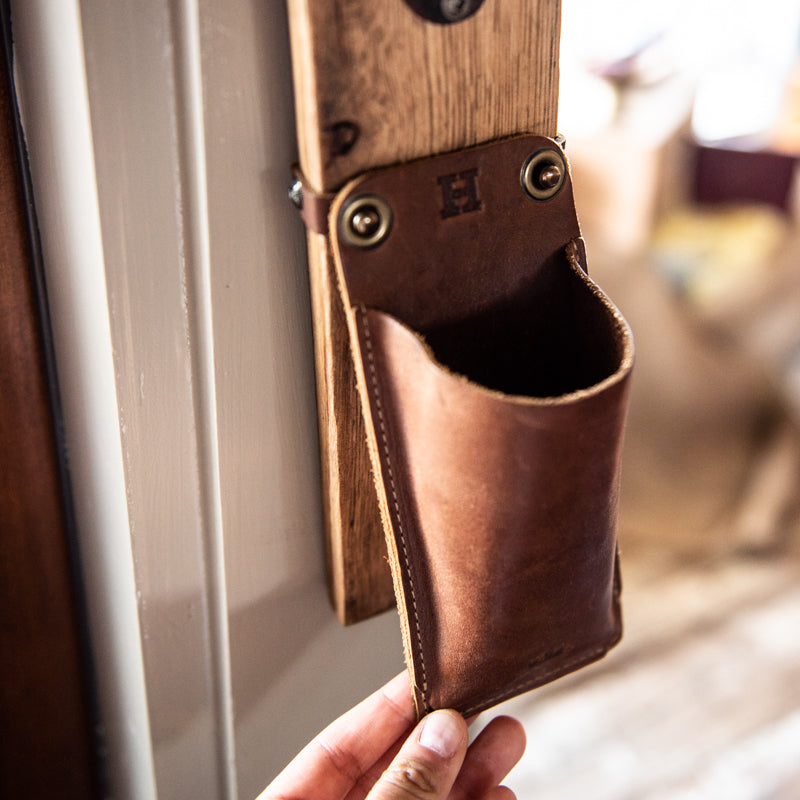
(454, 10)
(445, 12)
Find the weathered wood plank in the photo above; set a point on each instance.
(376, 84)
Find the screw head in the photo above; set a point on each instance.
(543, 174)
(365, 221)
(296, 193)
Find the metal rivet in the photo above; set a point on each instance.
(543, 174)
(365, 221)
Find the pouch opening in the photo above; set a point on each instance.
(556, 336)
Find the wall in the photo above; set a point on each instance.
(190, 414)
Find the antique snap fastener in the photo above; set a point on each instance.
(543, 174)
(365, 221)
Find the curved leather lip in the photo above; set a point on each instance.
(404, 276)
(622, 371)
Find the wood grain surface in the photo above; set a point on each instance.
(375, 85)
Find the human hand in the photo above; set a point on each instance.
(375, 751)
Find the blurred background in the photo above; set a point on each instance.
(682, 122)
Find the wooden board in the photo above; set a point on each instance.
(375, 84)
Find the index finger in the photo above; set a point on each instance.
(331, 764)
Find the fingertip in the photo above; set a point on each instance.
(444, 732)
(399, 685)
(493, 754)
(398, 693)
(429, 761)
(512, 730)
(500, 793)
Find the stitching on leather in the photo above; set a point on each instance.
(390, 472)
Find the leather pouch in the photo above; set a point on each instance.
(494, 377)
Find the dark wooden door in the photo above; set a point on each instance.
(46, 731)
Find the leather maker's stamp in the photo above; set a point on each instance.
(459, 193)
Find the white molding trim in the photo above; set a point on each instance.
(51, 82)
(198, 253)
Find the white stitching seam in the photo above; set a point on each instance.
(379, 410)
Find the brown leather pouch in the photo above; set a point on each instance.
(494, 374)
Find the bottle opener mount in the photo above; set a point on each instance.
(472, 383)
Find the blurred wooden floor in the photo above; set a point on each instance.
(700, 701)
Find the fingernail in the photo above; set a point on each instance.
(442, 732)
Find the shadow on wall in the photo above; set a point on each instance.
(268, 636)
